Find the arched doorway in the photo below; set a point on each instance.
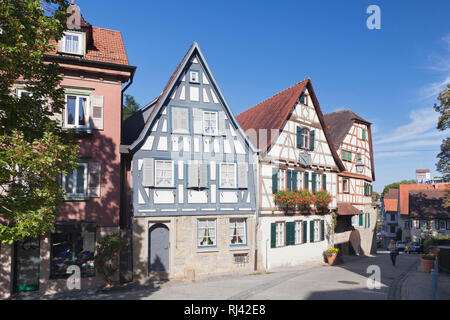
(158, 246)
(355, 242)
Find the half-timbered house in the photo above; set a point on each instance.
(295, 152)
(190, 168)
(357, 217)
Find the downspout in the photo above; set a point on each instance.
(257, 209)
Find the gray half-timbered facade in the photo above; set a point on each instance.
(191, 174)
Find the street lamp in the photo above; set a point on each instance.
(359, 166)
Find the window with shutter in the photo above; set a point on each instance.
(197, 116)
(210, 123)
(243, 175)
(299, 180)
(294, 180)
(274, 180)
(344, 155)
(94, 180)
(282, 179)
(349, 156)
(364, 134)
(305, 137)
(306, 180)
(273, 235)
(227, 175)
(164, 173)
(97, 112)
(203, 176)
(322, 230)
(305, 231)
(280, 234)
(314, 182)
(311, 231)
(76, 112)
(290, 233)
(298, 232)
(324, 184)
(76, 182)
(148, 173)
(299, 137)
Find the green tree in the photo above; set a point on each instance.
(395, 185)
(130, 106)
(34, 149)
(443, 164)
(107, 258)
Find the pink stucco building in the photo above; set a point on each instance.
(96, 74)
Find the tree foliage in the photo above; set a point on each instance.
(34, 149)
(443, 108)
(130, 106)
(395, 185)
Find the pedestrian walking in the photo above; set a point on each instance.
(393, 250)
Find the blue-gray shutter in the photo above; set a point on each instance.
(299, 137)
(242, 175)
(96, 112)
(197, 115)
(306, 184)
(222, 124)
(148, 169)
(294, 180)
(314, 182)
(193, 180)
(203, 176)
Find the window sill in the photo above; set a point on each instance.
(76, 199)
(239, 247)
(207, 250)
(79, 130)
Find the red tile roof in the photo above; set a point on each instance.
(404, 194)
(272, 113)
(107, 46)
(392, 194)
(346, 209)
(428, 203)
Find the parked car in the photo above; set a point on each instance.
(416, 247)
(401, 245)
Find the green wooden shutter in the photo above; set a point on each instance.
(314, 183)
(360, 220)
(290, 233)
(364, 134)
(344, 155)
(311, 145)
(368, 220)
(299, 137)
(273, 235)
(306, 180)
(289, 179)
(322, 230)
(324, 184)
(305, 231)
(294, 180)
(349, 156)
(274, 180)
(311, 231)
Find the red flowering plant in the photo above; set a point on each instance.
(285, 198)
(304, 198)
(322, 199)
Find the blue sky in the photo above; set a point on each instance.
(390, 77)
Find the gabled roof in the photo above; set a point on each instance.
(406, 188)
(340, 123)
(391, 201)
(156, 106)
(392, 194)
(134, 124)
(272, 114)
(428, 204)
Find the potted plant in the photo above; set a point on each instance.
(331, 254)
(304, 200)
(428, 262)
(321, 200)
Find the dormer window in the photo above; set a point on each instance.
(72, 43)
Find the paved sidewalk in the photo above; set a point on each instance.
(417, 285)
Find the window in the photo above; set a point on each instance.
(392, 217)
(316, 230)
(298, 232)
(280, 234)
(319, 182)
(407, 225)
(72, 43)
(416, 224)
(442, 225)
(423, 224)
(238, 231)
(194, 76)
(76, 112)
(75, 183)
(228, 175)
(392, 229)
(210, 123)
(345, 185)
(206, 233)
(364, 134)
(76, 248)
(180, 120)
(282, 179)
(305, 138)
(299, 180)
(349, 156)
(164, 173)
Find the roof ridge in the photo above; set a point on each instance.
(276, 94)
(106, 29)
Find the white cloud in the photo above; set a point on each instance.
(391, 154)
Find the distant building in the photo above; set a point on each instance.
(423, 176)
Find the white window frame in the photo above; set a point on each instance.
(316, 230)
(239, 224)
(345, 190)
(298, 232)
(279, 234)
(442, 225)
(172, 183)
(221, 175)
(191, 72)
(77, 110)
(300, 183)
(216, 129)
(74, 174)
(80, 41)
(172, 120)
(210, 224)
(305, 138)
(422, 224)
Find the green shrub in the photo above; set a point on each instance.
(107, 258)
